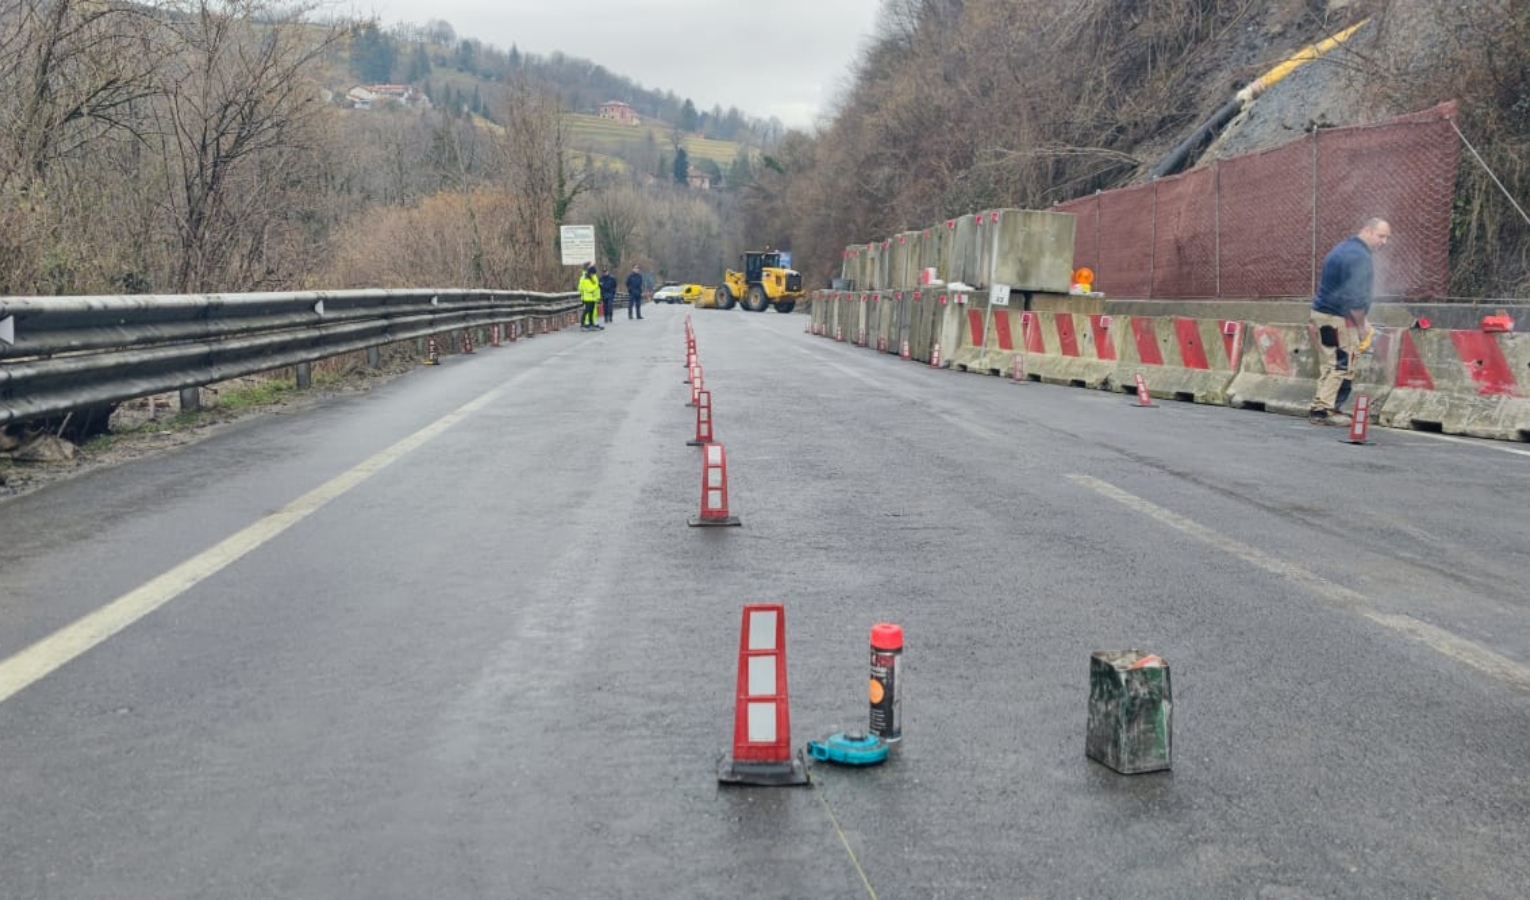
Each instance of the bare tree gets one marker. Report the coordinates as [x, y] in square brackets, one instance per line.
[71, 71]
[534, 165]
[235, 120]
[617, 214]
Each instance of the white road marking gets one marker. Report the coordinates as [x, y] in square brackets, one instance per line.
[41, 659]
[1441, 641]
[1481, 443]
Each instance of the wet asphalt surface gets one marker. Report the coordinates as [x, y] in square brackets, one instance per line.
[503, 666]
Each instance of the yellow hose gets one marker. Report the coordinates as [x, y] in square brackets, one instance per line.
[1305, 55]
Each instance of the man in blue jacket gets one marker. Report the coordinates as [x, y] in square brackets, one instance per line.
[1339, 314]
[635, 293]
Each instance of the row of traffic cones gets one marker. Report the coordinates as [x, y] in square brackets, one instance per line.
[498, 334]
[714, 463]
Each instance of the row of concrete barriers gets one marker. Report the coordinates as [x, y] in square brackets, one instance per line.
[1456, 381]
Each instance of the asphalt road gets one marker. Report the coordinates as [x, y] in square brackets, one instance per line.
[453, 638]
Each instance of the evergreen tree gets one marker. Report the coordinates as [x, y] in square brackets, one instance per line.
[419, 65]
[371, 54]
[688, 116]
[682, 166]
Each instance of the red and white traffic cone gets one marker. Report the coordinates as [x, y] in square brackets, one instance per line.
[546, 328]
[703, 420]
[494, 339]
[714, 489]
[467, 341]
[860, 340]
[881, 343]
[1360, 425]
[1018, 375]
[432, 352]
[1144, 399]
[904, 353]
[762, 723]
[935, 357]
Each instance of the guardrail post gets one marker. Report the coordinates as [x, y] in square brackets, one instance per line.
[191, 399]
[304, 376]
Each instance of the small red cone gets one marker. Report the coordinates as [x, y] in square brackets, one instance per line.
[1360, 425]
[1144, 399]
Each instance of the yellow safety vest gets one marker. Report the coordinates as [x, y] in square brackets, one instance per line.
[589, 289]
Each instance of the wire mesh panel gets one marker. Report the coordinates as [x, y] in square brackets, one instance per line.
[1265, 211]
[1258, 226]
[1184, 249]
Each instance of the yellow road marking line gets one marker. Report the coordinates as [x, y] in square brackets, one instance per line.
[47, 655]
[1441, 641]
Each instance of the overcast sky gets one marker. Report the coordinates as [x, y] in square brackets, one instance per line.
[785, 58]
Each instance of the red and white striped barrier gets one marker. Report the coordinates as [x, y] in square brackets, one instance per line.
[703, 420]
[1360, 423]
[695, 386]
[714, 489]
[762, 733]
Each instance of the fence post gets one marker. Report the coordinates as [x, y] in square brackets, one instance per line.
[304, 376]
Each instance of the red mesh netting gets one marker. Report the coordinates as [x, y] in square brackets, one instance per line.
[1258, 226]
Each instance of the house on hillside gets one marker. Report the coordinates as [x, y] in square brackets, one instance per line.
[698, 179]
[617, 111]
[371, 96]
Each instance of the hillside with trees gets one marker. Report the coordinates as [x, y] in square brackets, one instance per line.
[215, 145]
[960, 105]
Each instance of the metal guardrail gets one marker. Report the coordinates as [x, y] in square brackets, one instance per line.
[64, 353]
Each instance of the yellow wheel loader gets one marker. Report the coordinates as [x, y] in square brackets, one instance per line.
[764, 282]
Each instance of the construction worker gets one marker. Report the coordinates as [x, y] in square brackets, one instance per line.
[1339, 314]
[589, 295]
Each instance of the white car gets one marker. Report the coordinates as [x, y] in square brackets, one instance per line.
[669, 292]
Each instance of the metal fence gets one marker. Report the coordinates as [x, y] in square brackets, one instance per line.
[1258, 226]
[64, 353]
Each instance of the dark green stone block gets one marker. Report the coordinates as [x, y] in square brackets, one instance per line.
[1131, 711]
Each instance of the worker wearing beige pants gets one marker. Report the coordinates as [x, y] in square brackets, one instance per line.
[1338, 351]
[1339, 314]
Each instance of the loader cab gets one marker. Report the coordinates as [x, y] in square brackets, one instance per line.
[757, 261]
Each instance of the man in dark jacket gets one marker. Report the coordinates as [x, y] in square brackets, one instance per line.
[635, 293]
[607, 293]
[1339, 314]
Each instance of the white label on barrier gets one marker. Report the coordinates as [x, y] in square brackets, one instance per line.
[714, 479]
[998, 295]
[762, 629]
[714, 499]
[762, 723]
[714, 455]
[762, 676]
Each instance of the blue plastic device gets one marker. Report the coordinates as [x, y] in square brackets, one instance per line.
[849, 749]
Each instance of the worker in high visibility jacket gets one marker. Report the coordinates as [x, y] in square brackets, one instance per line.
[589, 295]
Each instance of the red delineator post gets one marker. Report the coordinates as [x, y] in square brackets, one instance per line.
[703, 420]
[1360, 426]
[714, 489]
[762, 741]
